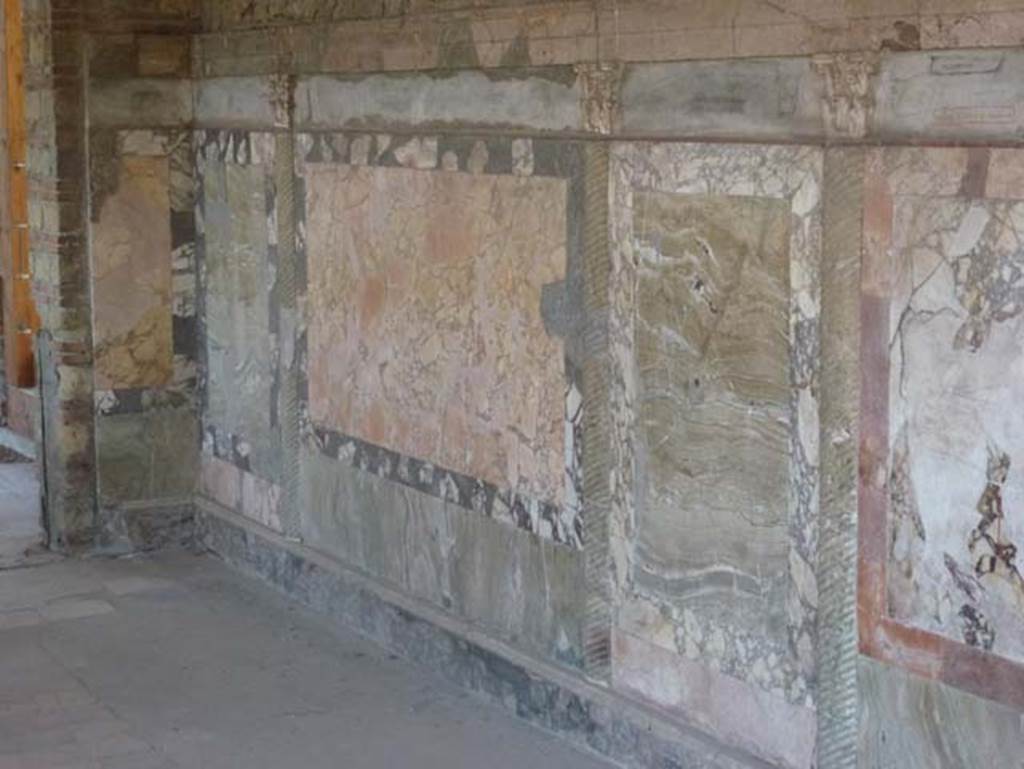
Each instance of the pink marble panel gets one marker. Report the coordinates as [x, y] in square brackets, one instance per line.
[426, 335]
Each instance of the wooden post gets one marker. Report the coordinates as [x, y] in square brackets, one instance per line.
[21, 320]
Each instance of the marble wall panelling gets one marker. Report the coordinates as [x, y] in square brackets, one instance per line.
[237, 213]
[443, 312]
[525, 590]
[940, 549]
[917, 723]
[132, 276]
[148, 455]
[426, 333]
[144, 298]
[760, 98]
[717, 254]
[241, 491]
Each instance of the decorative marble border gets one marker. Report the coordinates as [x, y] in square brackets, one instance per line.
[243, 148]
[108, 145]
[837, 653]
[519, 510]
[485, 155]
[599, 448]
[792, 173]
[883, 637]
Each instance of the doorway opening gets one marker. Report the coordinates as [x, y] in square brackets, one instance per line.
[21, 529]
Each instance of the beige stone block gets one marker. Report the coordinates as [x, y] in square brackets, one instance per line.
[164, 55]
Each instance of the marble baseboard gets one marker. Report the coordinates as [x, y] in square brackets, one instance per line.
[547, 696]
[132, 527]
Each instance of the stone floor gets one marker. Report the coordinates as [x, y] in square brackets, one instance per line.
[173, 660]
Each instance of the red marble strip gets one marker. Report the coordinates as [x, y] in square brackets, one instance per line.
[919, 651]
[956, 664]
[874, 393]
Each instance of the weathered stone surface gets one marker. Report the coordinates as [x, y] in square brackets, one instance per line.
[132, 277]
[147, 456]
[544, 33]
[547, 101]
[759, 98]
[164, 55]
[968, 95]
[915, 723]
[836, 691]
[241, 102]
[426, 334]
[149, 102]
[240, 491]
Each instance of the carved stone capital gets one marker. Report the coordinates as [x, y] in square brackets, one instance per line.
[281, 99]
[849, 100]
[599, 84]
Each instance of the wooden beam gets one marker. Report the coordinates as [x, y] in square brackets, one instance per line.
[22, 320]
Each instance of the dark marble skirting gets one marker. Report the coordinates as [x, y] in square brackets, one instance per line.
[552, 698]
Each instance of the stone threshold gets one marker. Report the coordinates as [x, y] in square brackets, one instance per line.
[553, 698]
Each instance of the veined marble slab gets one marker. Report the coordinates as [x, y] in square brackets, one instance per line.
[715, 295]
[713, 361]
[426, 334]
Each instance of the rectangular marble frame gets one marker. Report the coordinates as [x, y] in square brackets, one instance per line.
[970, 174]
[563, 313]
[260, 454]
[178, 394]
[780, 661]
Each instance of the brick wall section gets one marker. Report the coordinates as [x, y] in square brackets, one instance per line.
[63, 37]
[55, 115]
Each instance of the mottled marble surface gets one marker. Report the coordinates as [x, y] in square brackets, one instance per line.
[523, 589]
[132, 282]
[238, 272]
[909, 722]
[956, 488]
[716, 256]
[712, 359]
[144, 307]
[426, 334]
